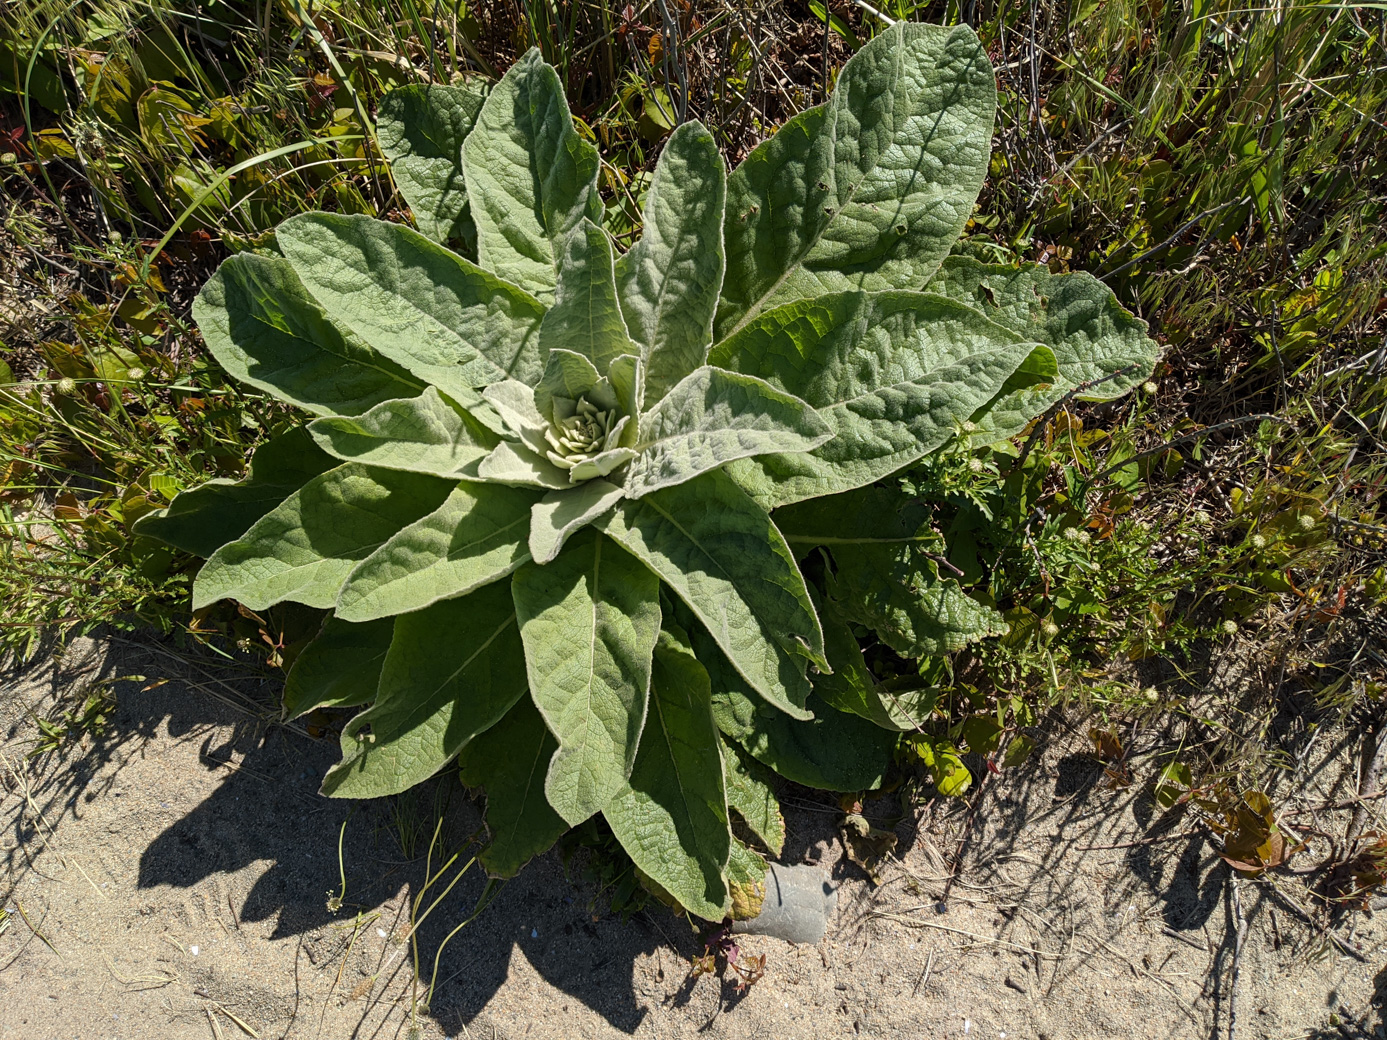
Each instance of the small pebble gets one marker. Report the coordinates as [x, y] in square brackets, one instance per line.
[192, 950]
[534, 933]
[380, 932]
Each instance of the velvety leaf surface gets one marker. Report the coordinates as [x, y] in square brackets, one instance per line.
[567, 373]
[530, 177]
[561, 514]
[833, 750]
[514, 402]
[443, 318]
[260, 323]
[671, 817]
[424, 434]
[668, 282]
[340, 668]
[893, 374]
[203, 519]
[516, 465]
[421, 128]
[749, 792]
[477, 536]
[304, 549]
[511, 762]
[712, 417]
[871, 190]
[720, 553]
[1077, 316]
[589, 621]
[452, 672]
[585, 317]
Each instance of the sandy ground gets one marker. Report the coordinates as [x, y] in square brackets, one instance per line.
[176, 873]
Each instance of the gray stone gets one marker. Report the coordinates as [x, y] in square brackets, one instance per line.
[799, 903]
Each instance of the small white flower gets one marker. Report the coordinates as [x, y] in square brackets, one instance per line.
[968, 426]
[1084, 538]
[1071, 534]
[1258, 542]
[1229, 627]
[67, 386]
[1148, 387]
[975, 465]
[1306, 522]
[1151, 694]
[1049, 630]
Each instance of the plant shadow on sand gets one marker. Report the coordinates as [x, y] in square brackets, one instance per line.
[195, 794]
[246, 806]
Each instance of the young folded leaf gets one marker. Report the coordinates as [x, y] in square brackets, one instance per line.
[668, 283]
[589, 622]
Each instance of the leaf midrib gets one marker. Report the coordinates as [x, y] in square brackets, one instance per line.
[424, 704]
[536, 767]
[754, 310]
[674, 766]
[369, 361]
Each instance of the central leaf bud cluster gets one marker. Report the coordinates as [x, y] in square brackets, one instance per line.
[579, 431]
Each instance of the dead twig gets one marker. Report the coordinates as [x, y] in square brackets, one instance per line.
[1367, 789]
[916, 923]
[1241, 921]
[1137, 844]
[924, 975]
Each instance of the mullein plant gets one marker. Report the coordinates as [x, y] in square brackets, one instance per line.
[554, 498]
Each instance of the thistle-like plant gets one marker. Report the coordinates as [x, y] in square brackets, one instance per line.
[537, 497]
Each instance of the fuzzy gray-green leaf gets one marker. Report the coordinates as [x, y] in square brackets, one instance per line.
[443, 318]
[669, 281]
[340, 668]
[894, 374]
[201, 520]
[304, 549]
[515, 464]
[424, 434]
[421, 128]
[852, 688]
[1094, 339]
[561, 514]
[721, 554]
[589, 621]
[264, 328]
[511, 762]
[477, 536]
[834, 751]
[585, 317]
[713, 417]
[531, 179]
[885, 576]
[671, 817]
[750, 793]
[452, 672]
[871, 190]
